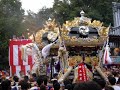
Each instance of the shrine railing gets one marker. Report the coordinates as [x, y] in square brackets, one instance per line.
[115, 31]
[115, 59]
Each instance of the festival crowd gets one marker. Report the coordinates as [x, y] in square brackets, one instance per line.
[43, 82]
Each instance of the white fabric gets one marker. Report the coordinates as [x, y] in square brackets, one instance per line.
[25, 62]
[18, 69]
[46, 50]
[116, 87]
[116, 79]
[107, 56]
[27, 68]
[34, 88]
[15, 54]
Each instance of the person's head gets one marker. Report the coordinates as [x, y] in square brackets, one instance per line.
[45, 80]
[101, 82]
[112, 80]
[24, 85]
[56, 86]
[34, 75]
[21, 73]
[43, 87]
[28, 72]
[55, 75]
[26, 78]
[68, 86]
[115, 74]
[109, 88]
[40, 81]
[87, 86]
[15, 78]
[6, 84]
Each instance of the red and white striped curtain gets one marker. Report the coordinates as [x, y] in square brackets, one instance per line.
[15, 61]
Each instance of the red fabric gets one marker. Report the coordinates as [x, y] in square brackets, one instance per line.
[82, 75]
[106, 57]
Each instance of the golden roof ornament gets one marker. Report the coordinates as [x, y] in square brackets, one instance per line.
[50, 25]
[82, 22]
[50, 28]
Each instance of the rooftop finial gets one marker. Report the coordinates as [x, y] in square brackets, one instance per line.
[49, 19]
[82, 13]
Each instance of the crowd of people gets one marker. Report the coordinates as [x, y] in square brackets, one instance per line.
[34, 82]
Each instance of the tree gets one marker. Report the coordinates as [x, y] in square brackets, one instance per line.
[11, 16]
[95, 9]
[43, 15]
[34, 22]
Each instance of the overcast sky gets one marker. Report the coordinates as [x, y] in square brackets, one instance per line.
[35, 5]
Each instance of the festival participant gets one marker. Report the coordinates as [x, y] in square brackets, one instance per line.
[55, 82]
[20, 75]
[101, 82]
[112, 81]
[43, 87]
[40, 81]
[6, 85]
[108, 88]
[25, 85]
[28, 73]
[118, 82]
[116, 75]
[68, 84]
[87, 86]
[34, 76]
[15, 85]
[35, 87]
[55, 77]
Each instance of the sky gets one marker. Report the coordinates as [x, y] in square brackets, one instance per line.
[36, 5]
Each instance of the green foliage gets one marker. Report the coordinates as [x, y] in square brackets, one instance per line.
[34, 22]
[44, 15]
[11, 15]
[95, 9]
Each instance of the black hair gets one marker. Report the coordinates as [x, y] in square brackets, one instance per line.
[115, 73]
[45, 79]
[56, 86]
[54, 75]
[34, 75]
[6, 85]
[109, 88]
[101, 82]
[24, 85]
[67, 83]
[26, 78]
[40, 80]
[68, 86]
[91, 85]
[15, 78]
[43, 87]
[112, 80]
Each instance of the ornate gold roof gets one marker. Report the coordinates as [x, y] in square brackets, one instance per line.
[51, 26]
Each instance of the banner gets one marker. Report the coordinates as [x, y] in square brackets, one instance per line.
[15, 61]
[106, 57]
[82, 75]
